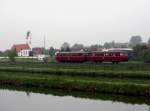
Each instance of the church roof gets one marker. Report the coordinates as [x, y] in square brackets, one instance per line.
[19, 47]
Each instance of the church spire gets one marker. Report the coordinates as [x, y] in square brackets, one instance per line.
[28, 38]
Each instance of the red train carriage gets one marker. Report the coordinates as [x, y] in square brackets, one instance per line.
[71, 56]
[111, 56]
[97, 56]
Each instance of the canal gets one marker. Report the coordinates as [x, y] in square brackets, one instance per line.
[13, 100]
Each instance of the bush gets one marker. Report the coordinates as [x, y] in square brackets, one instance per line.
[11, 55]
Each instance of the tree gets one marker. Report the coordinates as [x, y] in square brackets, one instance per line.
[146, 55]
[106, 45]
[95, 47]
[1, 53]
[46, 51]
[77, 47]
[142, 53]
[135, 40]
[148, 43]
[65, 47]
[6, 52]
[11, 55]
[51, 51]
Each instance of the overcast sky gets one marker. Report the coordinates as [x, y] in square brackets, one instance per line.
[75, 21]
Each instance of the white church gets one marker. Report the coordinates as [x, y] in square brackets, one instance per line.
[23, 50]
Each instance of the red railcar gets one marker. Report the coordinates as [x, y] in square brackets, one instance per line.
[111, 56]
[71, 56]
[97, 56]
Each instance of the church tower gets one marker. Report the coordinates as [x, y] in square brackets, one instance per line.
[28, 39]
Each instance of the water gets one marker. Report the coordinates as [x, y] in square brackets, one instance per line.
[11, 100]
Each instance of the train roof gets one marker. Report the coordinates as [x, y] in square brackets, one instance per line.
[90, 52]
[121, 49]
[72, 52]
[110, 51]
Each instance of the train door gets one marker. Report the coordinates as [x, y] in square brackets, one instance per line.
[99, 56]
[117, 56]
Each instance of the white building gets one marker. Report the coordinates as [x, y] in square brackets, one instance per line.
[23, 50]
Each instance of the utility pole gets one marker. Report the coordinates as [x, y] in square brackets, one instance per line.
[45, 59]
[44, 44]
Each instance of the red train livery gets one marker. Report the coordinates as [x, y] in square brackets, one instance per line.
[97, 56]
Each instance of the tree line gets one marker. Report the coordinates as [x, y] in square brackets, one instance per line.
[141, 50]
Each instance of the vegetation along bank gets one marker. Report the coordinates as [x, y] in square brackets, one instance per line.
[125, 79]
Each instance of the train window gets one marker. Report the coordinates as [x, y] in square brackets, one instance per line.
[106, 54]
[89, 54]
[99, 54]
[76, 54]
[117, 54]
[72, 54]
[79, 54]
[121, 54]
[68, 54]
[113, 54]
[109, 54]
[64, 55]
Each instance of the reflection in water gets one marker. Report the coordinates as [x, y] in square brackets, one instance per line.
[19, 101]
[95, 96]
[54, 100]
[28, 94]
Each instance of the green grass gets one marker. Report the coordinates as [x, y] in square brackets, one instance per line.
[125, 78]
[106, 66]
[81, 72]
[105, 85]
[76, 78]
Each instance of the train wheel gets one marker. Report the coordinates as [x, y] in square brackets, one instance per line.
[100, 62]
[117, 62]
[96, 62]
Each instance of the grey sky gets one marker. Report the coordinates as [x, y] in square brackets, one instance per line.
[75, 21]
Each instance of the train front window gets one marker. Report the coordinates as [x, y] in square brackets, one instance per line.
[123, 54]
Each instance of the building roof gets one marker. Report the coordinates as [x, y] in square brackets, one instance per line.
[38, 50]
[19, 47]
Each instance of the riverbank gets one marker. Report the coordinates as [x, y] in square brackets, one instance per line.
[104, 78]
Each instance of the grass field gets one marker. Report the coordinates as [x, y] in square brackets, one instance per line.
[124, 78]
